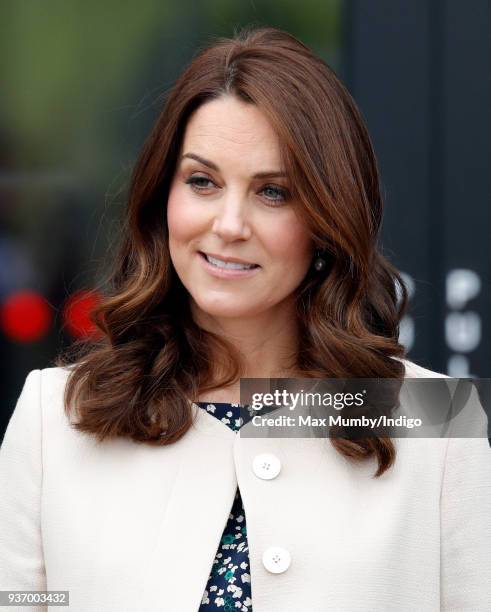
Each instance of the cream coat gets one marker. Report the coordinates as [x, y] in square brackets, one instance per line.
[129, 527]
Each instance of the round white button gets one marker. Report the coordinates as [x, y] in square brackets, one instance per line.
[276, 559]
[266, 466]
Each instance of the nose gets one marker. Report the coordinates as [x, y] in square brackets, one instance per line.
[231, 220]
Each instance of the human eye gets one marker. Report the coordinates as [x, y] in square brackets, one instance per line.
[282, 195]
[194, 182]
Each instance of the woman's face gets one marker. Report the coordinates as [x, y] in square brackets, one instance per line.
[218, 206]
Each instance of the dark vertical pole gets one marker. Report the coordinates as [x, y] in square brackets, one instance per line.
[386, 50]
[436, 187]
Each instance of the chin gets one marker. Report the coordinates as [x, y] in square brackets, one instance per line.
[223, 308]
[224, 312]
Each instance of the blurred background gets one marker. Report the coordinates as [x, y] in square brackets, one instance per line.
[83, 82]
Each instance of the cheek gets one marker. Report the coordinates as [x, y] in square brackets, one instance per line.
[182, 218]
[291, 243]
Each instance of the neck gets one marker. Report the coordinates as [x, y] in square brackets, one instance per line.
[267, 342]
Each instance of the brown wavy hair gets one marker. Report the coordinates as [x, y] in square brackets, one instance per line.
[151, 358]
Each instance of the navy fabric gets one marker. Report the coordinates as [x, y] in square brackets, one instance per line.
[229, 584]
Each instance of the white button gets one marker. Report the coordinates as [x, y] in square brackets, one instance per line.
[266, 466]
[276, 559]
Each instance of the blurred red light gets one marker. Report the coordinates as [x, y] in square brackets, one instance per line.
[25, 316]
[76, 314]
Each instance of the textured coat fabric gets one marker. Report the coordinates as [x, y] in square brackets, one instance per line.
[130, 527]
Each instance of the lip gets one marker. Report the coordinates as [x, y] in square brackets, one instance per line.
[224, 273]
[230, 259]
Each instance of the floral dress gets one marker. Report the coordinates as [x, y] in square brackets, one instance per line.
[229, 584]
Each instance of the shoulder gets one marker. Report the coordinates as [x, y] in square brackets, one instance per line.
[39, 404]
[413, 370]
[53, 380]
[41, 399]
[42, 386]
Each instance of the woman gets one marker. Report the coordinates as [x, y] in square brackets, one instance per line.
[250, 250]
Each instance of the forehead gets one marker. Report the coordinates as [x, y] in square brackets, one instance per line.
[230, 127]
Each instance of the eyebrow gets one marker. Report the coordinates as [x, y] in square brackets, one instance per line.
[213, 166]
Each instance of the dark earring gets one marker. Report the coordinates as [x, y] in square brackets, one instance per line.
[320, 262]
